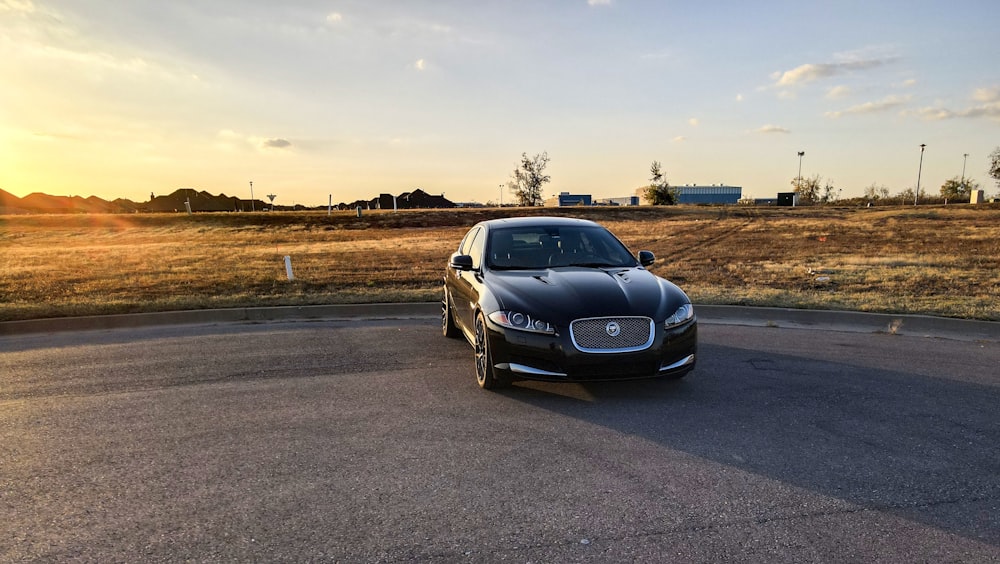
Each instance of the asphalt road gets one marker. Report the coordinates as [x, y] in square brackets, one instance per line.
[369, 441]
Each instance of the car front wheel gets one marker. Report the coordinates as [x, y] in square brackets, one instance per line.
[486, 374]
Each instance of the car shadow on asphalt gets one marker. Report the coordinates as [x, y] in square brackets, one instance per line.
[920, 447]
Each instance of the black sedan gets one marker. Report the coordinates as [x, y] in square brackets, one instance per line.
[562, 299]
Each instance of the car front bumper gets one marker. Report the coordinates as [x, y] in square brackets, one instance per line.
[533, 356]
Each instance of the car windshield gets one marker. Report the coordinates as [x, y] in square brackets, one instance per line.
[534, 247]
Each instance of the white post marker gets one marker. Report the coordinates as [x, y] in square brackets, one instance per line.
[288, 267]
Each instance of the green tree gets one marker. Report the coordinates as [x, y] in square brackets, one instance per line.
[954, 189]
[527, 179]
[994, 170]
[660, 192]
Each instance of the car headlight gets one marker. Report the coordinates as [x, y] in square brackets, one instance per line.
[521, 321]
[680, 317]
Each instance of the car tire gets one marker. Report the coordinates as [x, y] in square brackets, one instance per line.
[448, 328]
[488, 377]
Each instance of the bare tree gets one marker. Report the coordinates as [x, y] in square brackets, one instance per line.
[830, 193]
[527, 179]
[876, 192]
[807, 189]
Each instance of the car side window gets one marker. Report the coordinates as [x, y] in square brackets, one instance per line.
[476, 249]
[466, 244]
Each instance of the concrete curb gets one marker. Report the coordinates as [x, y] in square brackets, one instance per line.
[843, 321]
[852, 322]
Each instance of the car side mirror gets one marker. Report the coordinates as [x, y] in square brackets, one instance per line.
[646, 258]
[460, 262]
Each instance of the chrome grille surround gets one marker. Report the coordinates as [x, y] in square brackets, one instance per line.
[612, 334]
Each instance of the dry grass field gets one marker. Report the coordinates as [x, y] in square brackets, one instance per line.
[930, 260]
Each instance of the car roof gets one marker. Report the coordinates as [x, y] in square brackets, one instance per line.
[538, 221]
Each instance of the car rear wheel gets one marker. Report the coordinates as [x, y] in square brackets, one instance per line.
[486, 374]
[448, 328]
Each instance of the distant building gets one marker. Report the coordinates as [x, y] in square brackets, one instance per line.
[565, 199]
[709, 194]
[623, 201]
[788, 199]
[720, 194]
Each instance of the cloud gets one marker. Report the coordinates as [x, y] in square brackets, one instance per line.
[230, 140]
[693, 122]
[598, 2]
[809, 72]
[772, 129]
[276, 144]
[22, 6]
[885, 104]
[838, 92]
[334, 17]
[420, 64]
[933, 114]
[987, 95]
[989, 107]
[679, 139]
[989, 111]
[739, 97]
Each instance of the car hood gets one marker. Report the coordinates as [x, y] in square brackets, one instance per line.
[559, 295]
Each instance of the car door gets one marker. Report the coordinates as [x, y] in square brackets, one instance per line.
[465, 288]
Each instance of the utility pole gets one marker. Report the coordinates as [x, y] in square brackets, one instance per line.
[252, 208]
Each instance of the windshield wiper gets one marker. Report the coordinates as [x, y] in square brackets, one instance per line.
[515, 267]
[595, 264]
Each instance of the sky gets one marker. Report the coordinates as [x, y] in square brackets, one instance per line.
[349, 99]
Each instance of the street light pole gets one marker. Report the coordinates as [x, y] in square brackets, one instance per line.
[919, 170]
[798, 182]
[501, 195]
[964, 161]
[252, 208]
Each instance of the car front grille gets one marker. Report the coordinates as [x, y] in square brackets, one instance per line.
[612, 334]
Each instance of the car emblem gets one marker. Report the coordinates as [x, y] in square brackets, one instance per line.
[612, 329]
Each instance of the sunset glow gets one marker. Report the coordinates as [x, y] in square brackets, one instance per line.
[352, 99]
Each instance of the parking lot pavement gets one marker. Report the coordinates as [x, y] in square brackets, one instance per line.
[361, 440]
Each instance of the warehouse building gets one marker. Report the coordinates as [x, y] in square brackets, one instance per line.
[709, 194]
